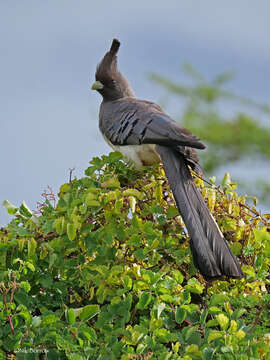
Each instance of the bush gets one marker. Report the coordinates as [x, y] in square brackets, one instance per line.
[107, 274]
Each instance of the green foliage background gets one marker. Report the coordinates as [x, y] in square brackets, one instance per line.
[106, 273]
[229, 139]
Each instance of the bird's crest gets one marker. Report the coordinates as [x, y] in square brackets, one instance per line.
[107, 68]
[115, 46]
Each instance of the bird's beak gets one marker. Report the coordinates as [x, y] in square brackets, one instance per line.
[97, 85]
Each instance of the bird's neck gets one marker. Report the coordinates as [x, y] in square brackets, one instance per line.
[126, 92]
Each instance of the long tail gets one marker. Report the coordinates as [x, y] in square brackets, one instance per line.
[211, 253]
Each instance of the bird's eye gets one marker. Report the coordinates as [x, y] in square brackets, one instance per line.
[112, 83]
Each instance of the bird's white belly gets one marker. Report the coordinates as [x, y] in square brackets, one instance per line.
[139, 155]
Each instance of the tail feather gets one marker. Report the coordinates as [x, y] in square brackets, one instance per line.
[211, 253]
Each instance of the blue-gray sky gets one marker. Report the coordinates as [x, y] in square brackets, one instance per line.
[48, 54]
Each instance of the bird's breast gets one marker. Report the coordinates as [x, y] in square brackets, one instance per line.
[139, 155]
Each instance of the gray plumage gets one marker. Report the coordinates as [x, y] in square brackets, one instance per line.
[145, 134]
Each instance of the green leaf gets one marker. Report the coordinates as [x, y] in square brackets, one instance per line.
[140, 254]
[74, 356]
[194, 286]
[195, 338]
[132, 204]
[226, 181]
[93, 203]
[25, 211]
[70, 316]
[127, 282]
[212, 323]
[180, 315]
[90, 334]
[22, 297]
[240, 334]
[59, 225]
[49, 319]
[226, 349]
[214, 309]
[192, 349]
[218, 299]
[208, 353]
[115, 156]
[112, 182]
[163, 335]
[203, 317]
[159, 308]
[30, 265]
[91, 199]
[27, 316]
[189, 331]
[211, 199]
[65, 188]
[32, 245]
[261, 235]
[11, 209]
[154, 244]
[249, 270]
[178, 276]
[71, 231]
[52, 259]
[88, 312]
[186, 297]
[213, 335]
[134, 192]
[190, 308]
[25, 285]
[144, 301]
[236, 248]
[238, 313]
[172, 211]
[46, 281]
[233, 327]
[223, 321]
[36, 320]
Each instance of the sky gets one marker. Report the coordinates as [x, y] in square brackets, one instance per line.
[48, 55]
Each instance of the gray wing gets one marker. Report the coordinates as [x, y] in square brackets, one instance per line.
[138, 122]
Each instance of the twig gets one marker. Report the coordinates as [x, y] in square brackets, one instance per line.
[10, 324]
[44, 237]
[14, 288]
[259, 311]
[9, 318]
[47, 195]
[70, 174]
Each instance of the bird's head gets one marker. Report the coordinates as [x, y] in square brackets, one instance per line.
[110, 83]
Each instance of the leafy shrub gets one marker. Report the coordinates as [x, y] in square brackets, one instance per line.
[107, 274]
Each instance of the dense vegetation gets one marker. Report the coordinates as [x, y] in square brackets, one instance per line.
[105, 272]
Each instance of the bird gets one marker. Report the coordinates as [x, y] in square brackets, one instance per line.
[146, 135]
